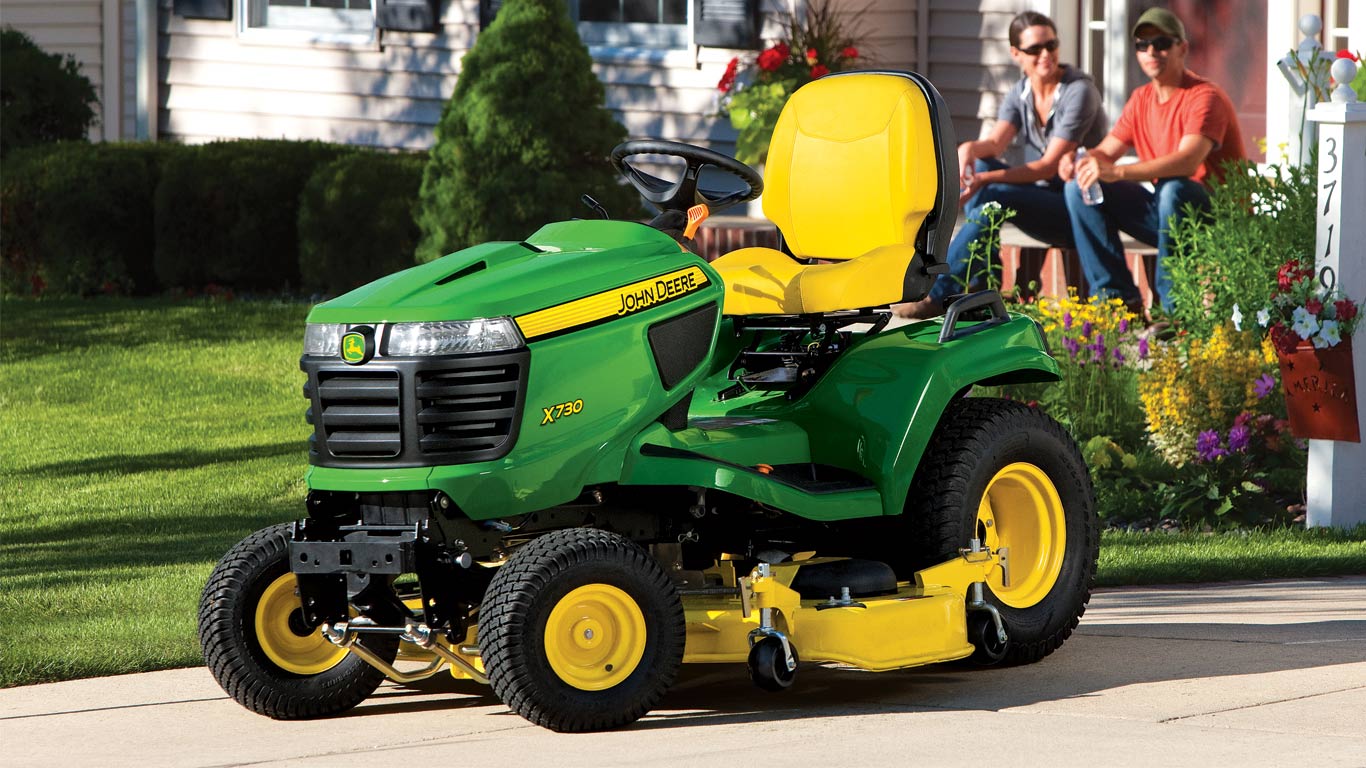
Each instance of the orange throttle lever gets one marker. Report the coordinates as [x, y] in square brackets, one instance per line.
[696, 215]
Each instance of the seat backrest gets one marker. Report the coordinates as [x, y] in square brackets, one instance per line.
[861, 160]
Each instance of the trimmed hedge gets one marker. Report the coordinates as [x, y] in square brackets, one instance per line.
[77, 218]
[227, 212]
[356, 220]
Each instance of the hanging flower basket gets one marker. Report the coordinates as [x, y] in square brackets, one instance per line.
[1320, 392]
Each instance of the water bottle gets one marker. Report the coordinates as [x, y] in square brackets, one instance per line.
[1092, 195]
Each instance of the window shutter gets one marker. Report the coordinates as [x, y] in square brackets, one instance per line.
[408, 15]
[727, 23]
[487, 10]
[216, 10]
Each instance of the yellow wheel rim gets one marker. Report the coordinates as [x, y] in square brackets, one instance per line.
[1021, 510]
[595, 637]
[283, 637]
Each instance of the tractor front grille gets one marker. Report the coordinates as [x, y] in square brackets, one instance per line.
[414, 412]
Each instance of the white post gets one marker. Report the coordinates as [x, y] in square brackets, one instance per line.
[1337, 470]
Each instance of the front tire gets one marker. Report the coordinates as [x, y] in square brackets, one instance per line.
[1012, 477]
[581, 630]
[258, 648]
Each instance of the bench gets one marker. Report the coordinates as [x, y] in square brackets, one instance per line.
[1024, 260]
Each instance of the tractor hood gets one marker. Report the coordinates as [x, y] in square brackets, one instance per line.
[559, 263]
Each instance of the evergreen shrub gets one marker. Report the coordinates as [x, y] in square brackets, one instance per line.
[356, 220]
[43, 96]
[522, 138]
[227, 213]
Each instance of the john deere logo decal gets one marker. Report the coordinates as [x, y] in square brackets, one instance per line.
[356, 346]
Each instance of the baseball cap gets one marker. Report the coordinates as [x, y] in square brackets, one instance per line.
[1164, 20]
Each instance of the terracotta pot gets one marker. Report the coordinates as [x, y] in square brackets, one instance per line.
[1320, 392]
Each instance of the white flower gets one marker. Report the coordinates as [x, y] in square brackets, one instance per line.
[992, 206]
[1264, 317]
[1305, 324]
[1329, 335]
[1237, 318]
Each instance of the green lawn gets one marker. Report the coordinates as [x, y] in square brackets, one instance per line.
[139, 439]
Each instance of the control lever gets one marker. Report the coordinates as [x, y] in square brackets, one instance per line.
[595, 205]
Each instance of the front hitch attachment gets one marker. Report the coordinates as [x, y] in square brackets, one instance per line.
[346, 633]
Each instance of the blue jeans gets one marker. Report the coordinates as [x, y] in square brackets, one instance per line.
[1145, 215]
[1040, 212]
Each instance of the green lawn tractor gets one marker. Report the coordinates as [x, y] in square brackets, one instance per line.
[565, 466]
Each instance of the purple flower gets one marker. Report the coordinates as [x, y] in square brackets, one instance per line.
[1067, 321]
[1238, 438]
[1264, 385]
[1071, 345]
[1207, 446]
[1142, 349]
[1124, 325]
[1086, 328]
[1119, 356]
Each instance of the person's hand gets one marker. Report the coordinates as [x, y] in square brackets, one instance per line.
[967, 160]
[1067, 166]
[1088, 171]
[969, 188]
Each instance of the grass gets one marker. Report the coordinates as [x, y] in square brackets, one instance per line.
[1129, 558]
[142, 438]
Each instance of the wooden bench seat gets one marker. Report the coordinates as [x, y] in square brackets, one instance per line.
[1024, 260]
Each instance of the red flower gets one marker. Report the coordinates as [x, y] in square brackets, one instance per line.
[1284, 339]
[1346, 310]
[1314, 306]
[1346, 54]
[1290, 273]
[819, 71]
[812, 56]
[728, 79]
[770, 60]
[849, 53]
[783, 50]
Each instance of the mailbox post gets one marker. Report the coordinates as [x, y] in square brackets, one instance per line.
[1337, 469]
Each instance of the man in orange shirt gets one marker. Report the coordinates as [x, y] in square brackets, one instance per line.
[1183, 128]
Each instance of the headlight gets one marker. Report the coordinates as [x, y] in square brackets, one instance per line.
[323, 338]
[455, 338]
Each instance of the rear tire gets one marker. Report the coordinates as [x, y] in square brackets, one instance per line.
[259, 650]
[1011, 476]
[581, 630]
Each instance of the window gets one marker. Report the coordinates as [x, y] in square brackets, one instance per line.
[340, 21]
[656, 23]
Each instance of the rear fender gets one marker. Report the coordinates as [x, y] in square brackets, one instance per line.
[876, 410]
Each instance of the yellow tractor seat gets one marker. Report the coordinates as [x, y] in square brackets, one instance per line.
[859, 181]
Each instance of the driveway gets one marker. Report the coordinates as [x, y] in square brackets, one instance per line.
[1255, 674]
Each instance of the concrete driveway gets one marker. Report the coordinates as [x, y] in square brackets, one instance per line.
[1265, 674]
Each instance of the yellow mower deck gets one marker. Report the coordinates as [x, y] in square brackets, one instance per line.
[924, 622]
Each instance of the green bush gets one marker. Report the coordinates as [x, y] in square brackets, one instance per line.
[523, 136]
[1230, 255]
[78, 218]
[356, 220]
[43, 96]
[227, 213]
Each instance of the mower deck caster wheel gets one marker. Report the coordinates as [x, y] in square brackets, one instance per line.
[768, 666]
[988, 647]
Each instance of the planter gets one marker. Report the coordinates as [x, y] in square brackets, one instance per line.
[1320, 392]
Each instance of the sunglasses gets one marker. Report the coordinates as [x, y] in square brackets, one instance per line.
[1159, 43]
[1035, 50]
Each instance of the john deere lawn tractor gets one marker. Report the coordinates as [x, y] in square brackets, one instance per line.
[567, 465]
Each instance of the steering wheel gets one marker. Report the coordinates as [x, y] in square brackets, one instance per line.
[684, 193]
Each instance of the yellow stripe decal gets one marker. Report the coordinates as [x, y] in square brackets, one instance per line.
[618, 302]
